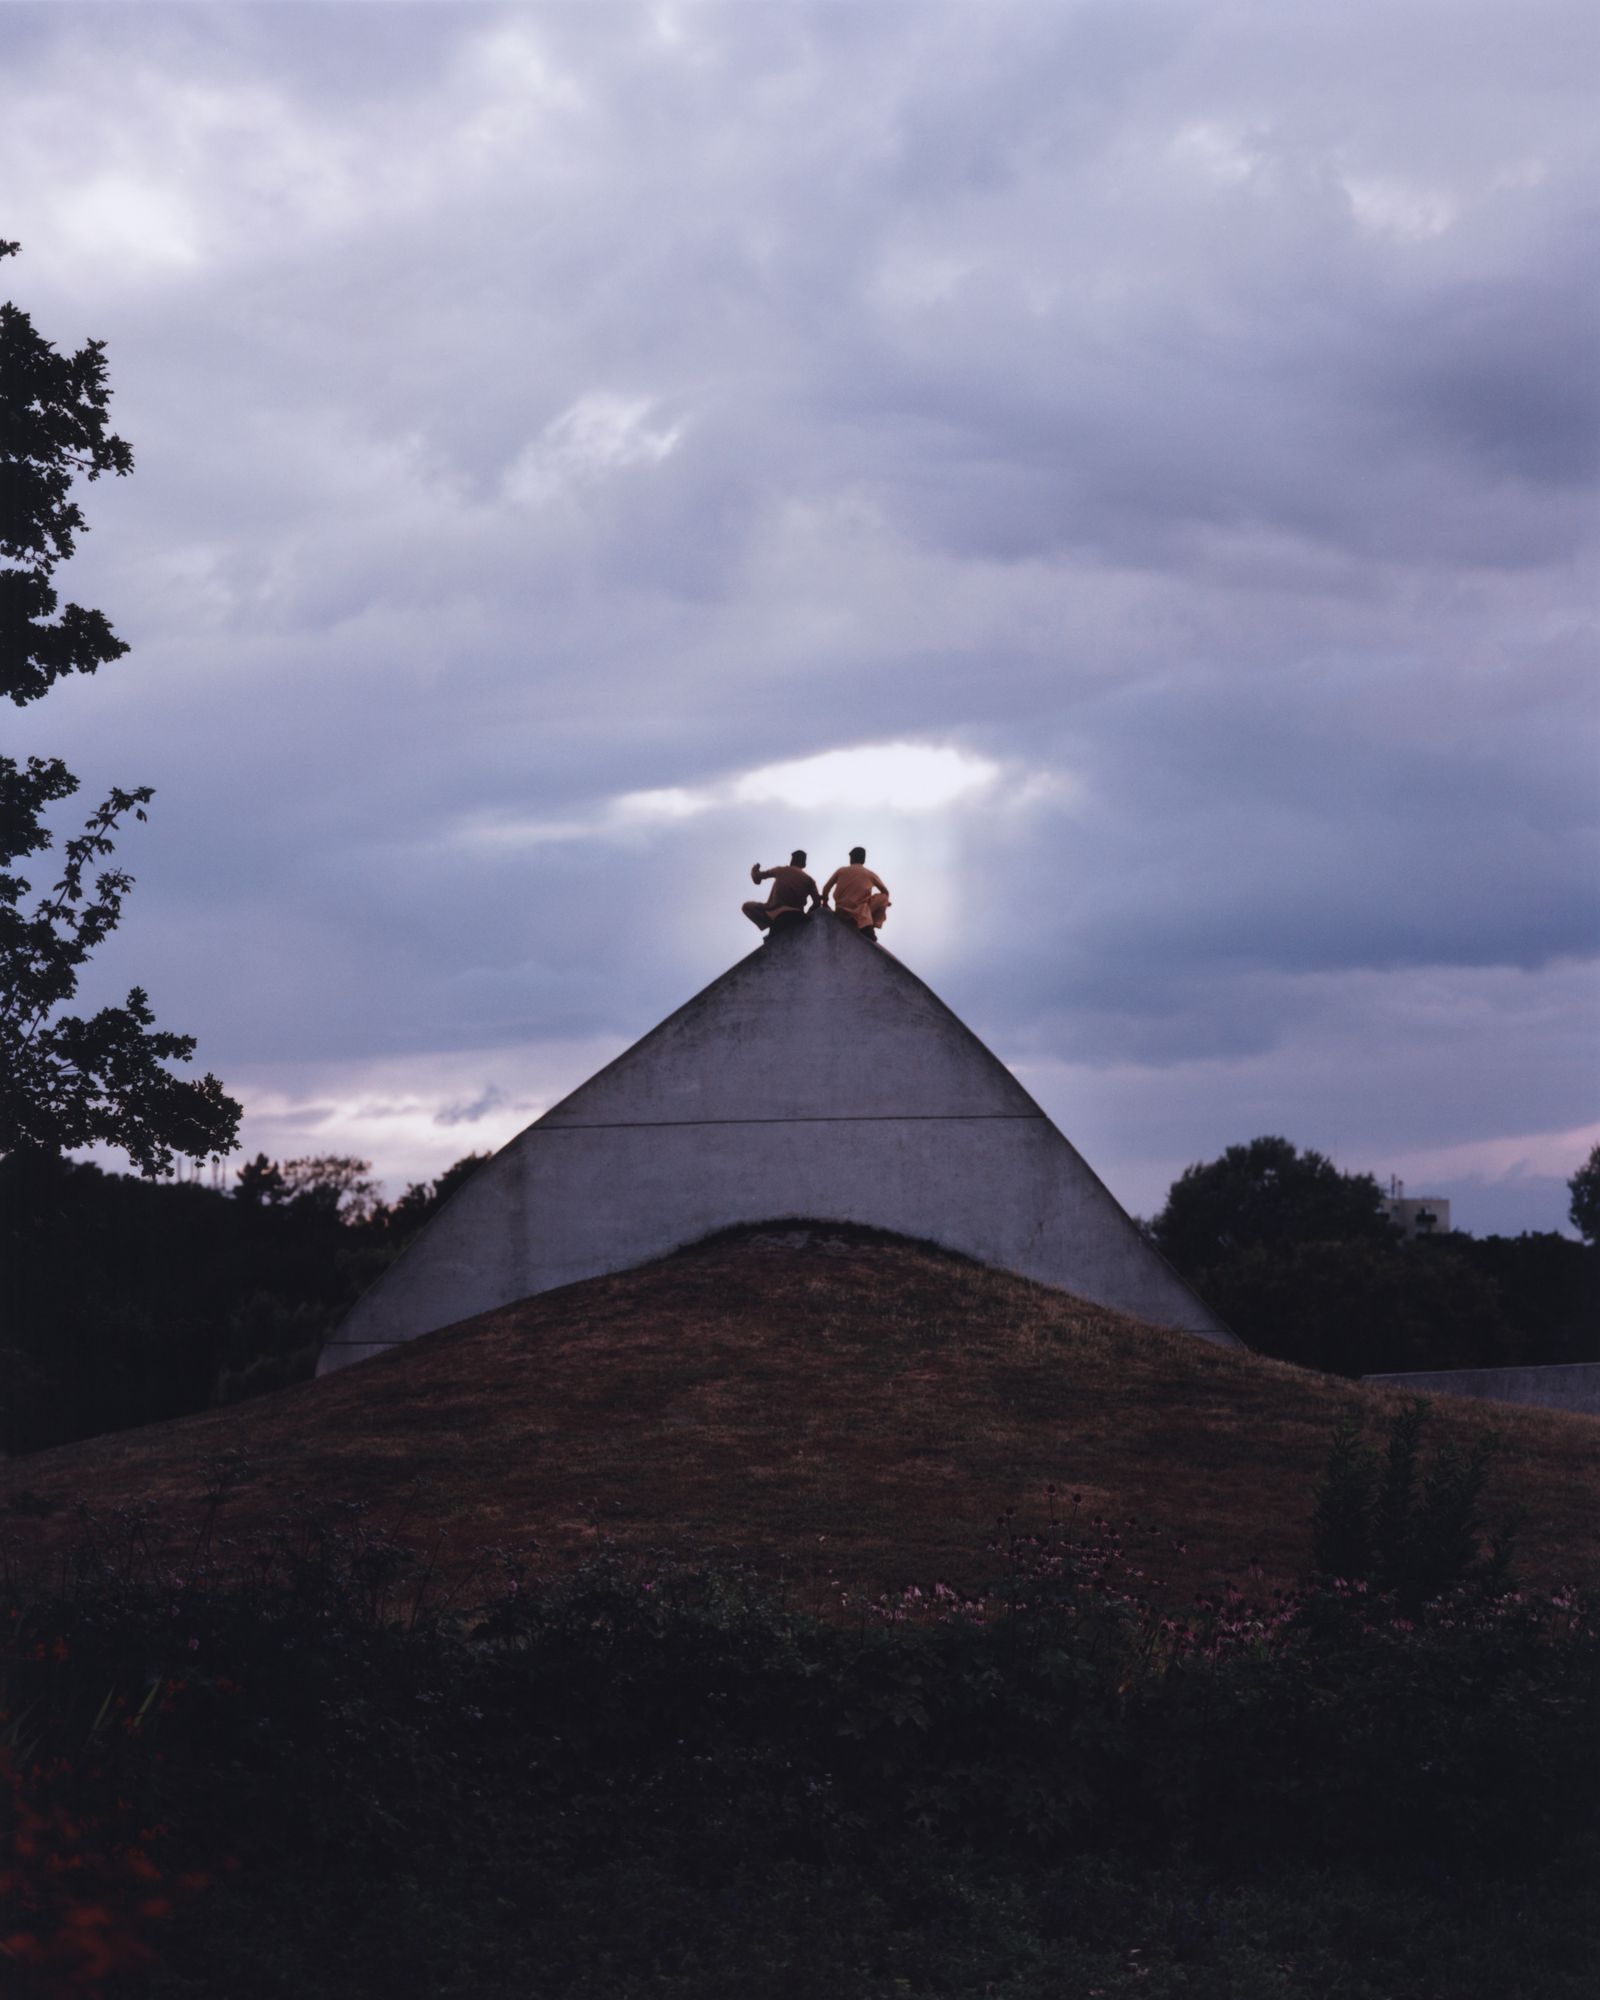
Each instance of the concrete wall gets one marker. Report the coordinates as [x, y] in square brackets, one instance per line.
[817, 1078]
[1566, 1385]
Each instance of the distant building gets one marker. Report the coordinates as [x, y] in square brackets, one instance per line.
[1416, 1214]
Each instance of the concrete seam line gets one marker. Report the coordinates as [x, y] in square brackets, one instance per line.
[831, 1118]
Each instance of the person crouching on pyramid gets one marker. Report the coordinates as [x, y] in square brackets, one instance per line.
[791, 892]
[858, 894]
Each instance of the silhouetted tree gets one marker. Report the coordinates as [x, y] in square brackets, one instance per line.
[1364, 1307]
[260, 1182]
[1548, 1285]
[1301, 1260]
[1584, 1188]
[67, 1081]
[127, 1300]
[53, 426]
[1265, 1193]
[335, 1183]
[422, 1200]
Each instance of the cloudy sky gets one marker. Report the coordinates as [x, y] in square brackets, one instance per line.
[1129, 464]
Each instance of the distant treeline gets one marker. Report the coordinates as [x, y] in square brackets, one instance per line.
[1304, 1263]
[126, 1300]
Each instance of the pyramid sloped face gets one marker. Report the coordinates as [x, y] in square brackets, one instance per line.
[818, 1078]
[816, 1023]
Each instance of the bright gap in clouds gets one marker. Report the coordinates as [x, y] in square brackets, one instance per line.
[910, 778]
[882, 777]
[897, 777]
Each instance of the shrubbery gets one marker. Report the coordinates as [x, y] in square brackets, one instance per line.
[304, 1767]
[1301, 1260]
[129, 1300]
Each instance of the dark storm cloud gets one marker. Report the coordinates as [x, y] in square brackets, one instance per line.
[1183, 412]
[1506, 375]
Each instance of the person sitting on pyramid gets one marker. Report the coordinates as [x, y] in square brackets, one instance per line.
[792, 892]
[858, 894]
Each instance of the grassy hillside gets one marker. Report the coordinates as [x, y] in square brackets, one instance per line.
[633, 1778]
[756, 1393]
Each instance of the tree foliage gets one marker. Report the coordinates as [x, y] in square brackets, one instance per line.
[1301, 1261]
[128, 1301]
[423, 1200]
[54, 427]
[1265, 1193]
[67, 1081]
[1548, 1285]
[1363, 1308]
[1584, 1188]
[333, 1182]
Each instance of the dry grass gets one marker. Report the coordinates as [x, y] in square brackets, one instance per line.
[753, 1397]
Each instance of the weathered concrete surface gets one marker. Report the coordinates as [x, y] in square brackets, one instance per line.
[1563, 1385]
[818, 1078]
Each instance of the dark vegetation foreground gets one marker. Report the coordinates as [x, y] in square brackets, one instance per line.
[810, 1619]
[293, 1768]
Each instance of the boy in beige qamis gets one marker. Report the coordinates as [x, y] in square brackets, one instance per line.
[791, 893]
[858, 894]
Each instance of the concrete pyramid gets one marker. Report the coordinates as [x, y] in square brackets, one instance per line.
[817, 1079]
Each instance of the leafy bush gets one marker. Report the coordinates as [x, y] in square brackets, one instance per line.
[1408, 1528]
[670, 1777]
[1359, 1308]
[130, 1300]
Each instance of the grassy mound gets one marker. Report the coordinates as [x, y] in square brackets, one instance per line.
[868, 1407]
